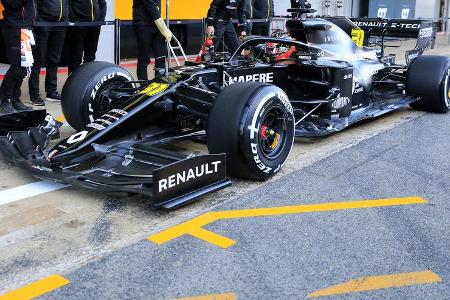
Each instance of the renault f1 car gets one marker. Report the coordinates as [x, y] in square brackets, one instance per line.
[247, 110]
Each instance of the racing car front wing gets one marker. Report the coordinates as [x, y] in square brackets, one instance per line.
[172, 179]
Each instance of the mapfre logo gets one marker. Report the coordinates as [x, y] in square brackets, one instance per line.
[262, 77]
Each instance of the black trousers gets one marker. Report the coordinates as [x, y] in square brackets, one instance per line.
[49, 46]
[249, 28]
[149, 39]
[83, 43]
[12, 82]
[261, 29]
[224, 30]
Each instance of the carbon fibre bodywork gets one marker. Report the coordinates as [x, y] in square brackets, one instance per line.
[133, 144]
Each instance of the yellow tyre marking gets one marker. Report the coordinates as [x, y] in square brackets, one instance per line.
[194, 227]
[379, 282]
[37, 288]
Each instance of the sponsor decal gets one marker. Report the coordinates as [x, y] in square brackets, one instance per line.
[405, 13]
[348, 76]
[188, 69]
[393, 25]
[405, 25]
[357, 88]
[154, 88]
[382, 12]
[41, 168]
[340, 102]
[411, 55]
[119, 111]
[371, 24]
[332, 38]
[96, 126]
[426, 32]
[262, 77]
[358, 36]
[128, 159]
[187, 176]
[77, 137]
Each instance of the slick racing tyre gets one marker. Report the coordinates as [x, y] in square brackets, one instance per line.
[253, 124]
[83, 98]
[429, 78]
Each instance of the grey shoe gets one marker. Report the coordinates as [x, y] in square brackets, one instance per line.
[7, 107]
[38, 101]
[18, 105]
[54, 97]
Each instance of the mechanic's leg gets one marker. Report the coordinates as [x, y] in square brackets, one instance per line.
[256, 29]
[249, 28]
[160, 51]
[143, 36]
[231, 38]
[266, 31]
[76, 42]
[91, 43]
[219, 31]
[55, 47]
[39, 52]
[16, 73]
[261, 29]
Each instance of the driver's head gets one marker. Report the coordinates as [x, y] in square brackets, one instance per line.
[259, 50]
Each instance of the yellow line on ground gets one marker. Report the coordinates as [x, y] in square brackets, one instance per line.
[37, 288]
[211, 237]
[379, 282]
[228, 296]
[61, 119]
[194, 226]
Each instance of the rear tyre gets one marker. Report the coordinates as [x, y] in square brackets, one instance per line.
[82, 96]
[429, 78]
[253, 124]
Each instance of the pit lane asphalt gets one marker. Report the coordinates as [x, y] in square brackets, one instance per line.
[287, 257]
[61, 231]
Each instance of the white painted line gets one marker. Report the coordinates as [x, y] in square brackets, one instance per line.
[29, 190]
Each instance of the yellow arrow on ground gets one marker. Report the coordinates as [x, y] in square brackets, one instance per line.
[61, 119]
[228, 296]
[194, 227]
[379, 282]
[37, 288]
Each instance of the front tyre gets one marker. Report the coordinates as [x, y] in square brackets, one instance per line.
[429, 78]
[84, 96]
[253, 123]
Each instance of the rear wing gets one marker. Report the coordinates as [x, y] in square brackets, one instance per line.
[372, 29]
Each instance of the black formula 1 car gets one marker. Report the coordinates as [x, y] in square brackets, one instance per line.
[130, 134]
